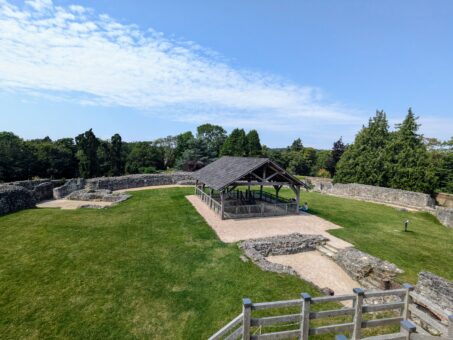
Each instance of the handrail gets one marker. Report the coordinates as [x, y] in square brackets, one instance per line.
[302, 319]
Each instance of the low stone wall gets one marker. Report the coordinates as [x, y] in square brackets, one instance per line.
[369, 271]
[258, 249]
[383, 195]
[445, 216]
[137, 181]
[319, 183]
[68, 187]
[444, 200]
[14, 198]
[102, 195]
[40, 188]
[437, 290]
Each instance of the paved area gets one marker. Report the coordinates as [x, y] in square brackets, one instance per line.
[319, 269]
[70, 204]
[244, 229]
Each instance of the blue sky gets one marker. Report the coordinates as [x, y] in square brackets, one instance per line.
[145, 69]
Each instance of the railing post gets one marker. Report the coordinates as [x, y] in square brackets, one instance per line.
[450, 326]
[359, 293]
[305, 316]
[407, 327]
[407, 301]
[247, 317]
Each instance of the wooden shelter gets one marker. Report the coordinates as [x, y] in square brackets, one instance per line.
[226, 185]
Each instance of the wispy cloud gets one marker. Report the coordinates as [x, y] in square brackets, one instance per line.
[74, 53]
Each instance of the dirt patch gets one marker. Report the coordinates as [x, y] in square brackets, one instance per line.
[230, 231]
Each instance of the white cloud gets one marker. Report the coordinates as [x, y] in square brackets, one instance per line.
[72, 52]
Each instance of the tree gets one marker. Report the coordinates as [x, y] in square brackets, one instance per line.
[87, 147]
[144, 157]
[196, 156]
[70, 169]
[168, 147]
[253, 144]
[408, 162]
[297, 145]
[337, 151]
[103, 158]
[116, 155]
[50, 159]
[364, 161]
[15, 158]
[214, 136]
[183, 142]
[235, 144]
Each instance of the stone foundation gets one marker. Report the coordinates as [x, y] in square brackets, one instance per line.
[68, 187]
[445, 216]
[371, 272]
[257, 250]
[97, 195]
[137, 181]
[14, 198]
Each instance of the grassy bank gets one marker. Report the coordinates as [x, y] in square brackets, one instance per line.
[378, 230]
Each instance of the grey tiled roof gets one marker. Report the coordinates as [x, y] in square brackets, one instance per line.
[227, 170]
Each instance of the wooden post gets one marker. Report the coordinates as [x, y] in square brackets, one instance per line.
[222, 205]
[305, 316]
[407, 301]
[196, 186]
[297, 198]
[450, 326]
[261, 192]
[407, 327]
[247, 317]
[356, 333]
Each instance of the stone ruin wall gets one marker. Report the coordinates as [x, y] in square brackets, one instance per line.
[377, 194]
[20, 195]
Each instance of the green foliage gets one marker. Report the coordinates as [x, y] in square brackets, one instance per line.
[214, 136]
[297, 145]
[116, 155]
[15, 158]
[168, 146]
[323, 173]
[364, 161]
[253, 144]
[408, 165]
[87, 154]
[144, 157]
[183, 143]
[196, 155]
[236, 144]
[337, 151]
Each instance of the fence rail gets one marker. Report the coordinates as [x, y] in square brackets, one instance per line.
[402, 309]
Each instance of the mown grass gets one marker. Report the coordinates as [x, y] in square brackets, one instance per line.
[152, 268]
[378, 230]
[148, 268]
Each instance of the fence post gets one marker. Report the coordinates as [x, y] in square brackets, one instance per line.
[450, 326]
[305, 316]
[246, 319]
[407, 327]
[359, 293]
[407, 301]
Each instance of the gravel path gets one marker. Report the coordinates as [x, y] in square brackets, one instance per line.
[244, 229]
[319, 269]
[70, 204]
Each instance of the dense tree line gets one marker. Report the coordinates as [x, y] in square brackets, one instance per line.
[398, 159]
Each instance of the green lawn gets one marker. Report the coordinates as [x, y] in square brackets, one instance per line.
[378, 229]
[148, 268]
[152, 268]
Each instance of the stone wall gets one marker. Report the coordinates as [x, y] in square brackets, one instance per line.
[70, 186]
[445, 216]
[136, 181]
[369, 271]
[102, 195]
[384, 195]
[258, 249]
[14, 198]
[319, 184]
[436, 289]
[444, 200]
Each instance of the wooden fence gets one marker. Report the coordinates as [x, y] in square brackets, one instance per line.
[246, 326]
